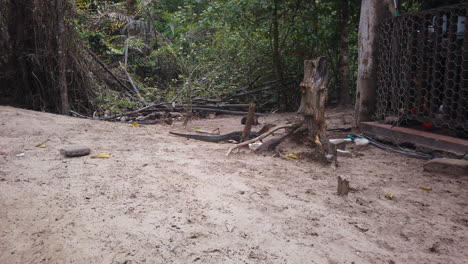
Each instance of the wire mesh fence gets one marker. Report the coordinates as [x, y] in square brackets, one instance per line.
[423, 70]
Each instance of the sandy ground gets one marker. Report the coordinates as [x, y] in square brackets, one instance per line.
[165, 199]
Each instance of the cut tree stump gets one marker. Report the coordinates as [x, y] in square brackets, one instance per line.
[343, 186]
[314, 90]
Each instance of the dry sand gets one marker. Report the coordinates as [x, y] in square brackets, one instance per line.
[165, 199]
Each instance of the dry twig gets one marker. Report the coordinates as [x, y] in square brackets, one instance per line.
[262, 136]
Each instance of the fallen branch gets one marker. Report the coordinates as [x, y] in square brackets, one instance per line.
[79, 115]
[217, 106]
[274, 142]
[262, 136]
[221, 111]
[131, 112]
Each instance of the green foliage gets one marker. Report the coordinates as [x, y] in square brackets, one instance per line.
[211, 49]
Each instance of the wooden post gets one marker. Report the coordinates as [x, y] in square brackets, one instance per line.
[248, 123]
[314, 97]
[343, 186]
[372, 13]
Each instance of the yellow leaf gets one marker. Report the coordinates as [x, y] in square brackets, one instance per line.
[135, 124]
[292, 156]
[389, 196]
[41, 145]
[197, 128]
[426, 188]
[102, 155]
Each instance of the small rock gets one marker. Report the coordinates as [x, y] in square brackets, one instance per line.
[449, 166]
[75, 151]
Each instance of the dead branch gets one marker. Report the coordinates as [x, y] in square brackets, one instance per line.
[79, 115]
[131, 112]
[262, 136]
[221, 111]
[274, 142]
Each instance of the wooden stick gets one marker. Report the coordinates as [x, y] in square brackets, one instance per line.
[79, 115]
[248, 123]
[333, 150]
[262, 136]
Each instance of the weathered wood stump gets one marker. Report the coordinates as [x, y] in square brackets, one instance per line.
[314, 97]
[343, 186]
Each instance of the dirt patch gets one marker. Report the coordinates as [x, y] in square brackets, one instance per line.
[165, 199]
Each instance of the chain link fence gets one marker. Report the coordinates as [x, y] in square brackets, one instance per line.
[423, 70]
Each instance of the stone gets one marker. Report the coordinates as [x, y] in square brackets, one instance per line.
[75, 151]
[449, 166]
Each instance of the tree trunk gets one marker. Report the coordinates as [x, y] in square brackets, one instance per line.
[343, 64]
[314, 97]
[372, 13]
[62, 78]
[276, 52]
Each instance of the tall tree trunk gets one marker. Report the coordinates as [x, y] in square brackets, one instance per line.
[372, 13]
[18, 31]
[343, 64]
[62, 79]
[276, 51]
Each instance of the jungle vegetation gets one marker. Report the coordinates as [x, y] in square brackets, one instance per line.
[118, 55]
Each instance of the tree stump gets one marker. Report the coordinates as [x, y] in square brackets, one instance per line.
[343, 186]
[314, 97]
